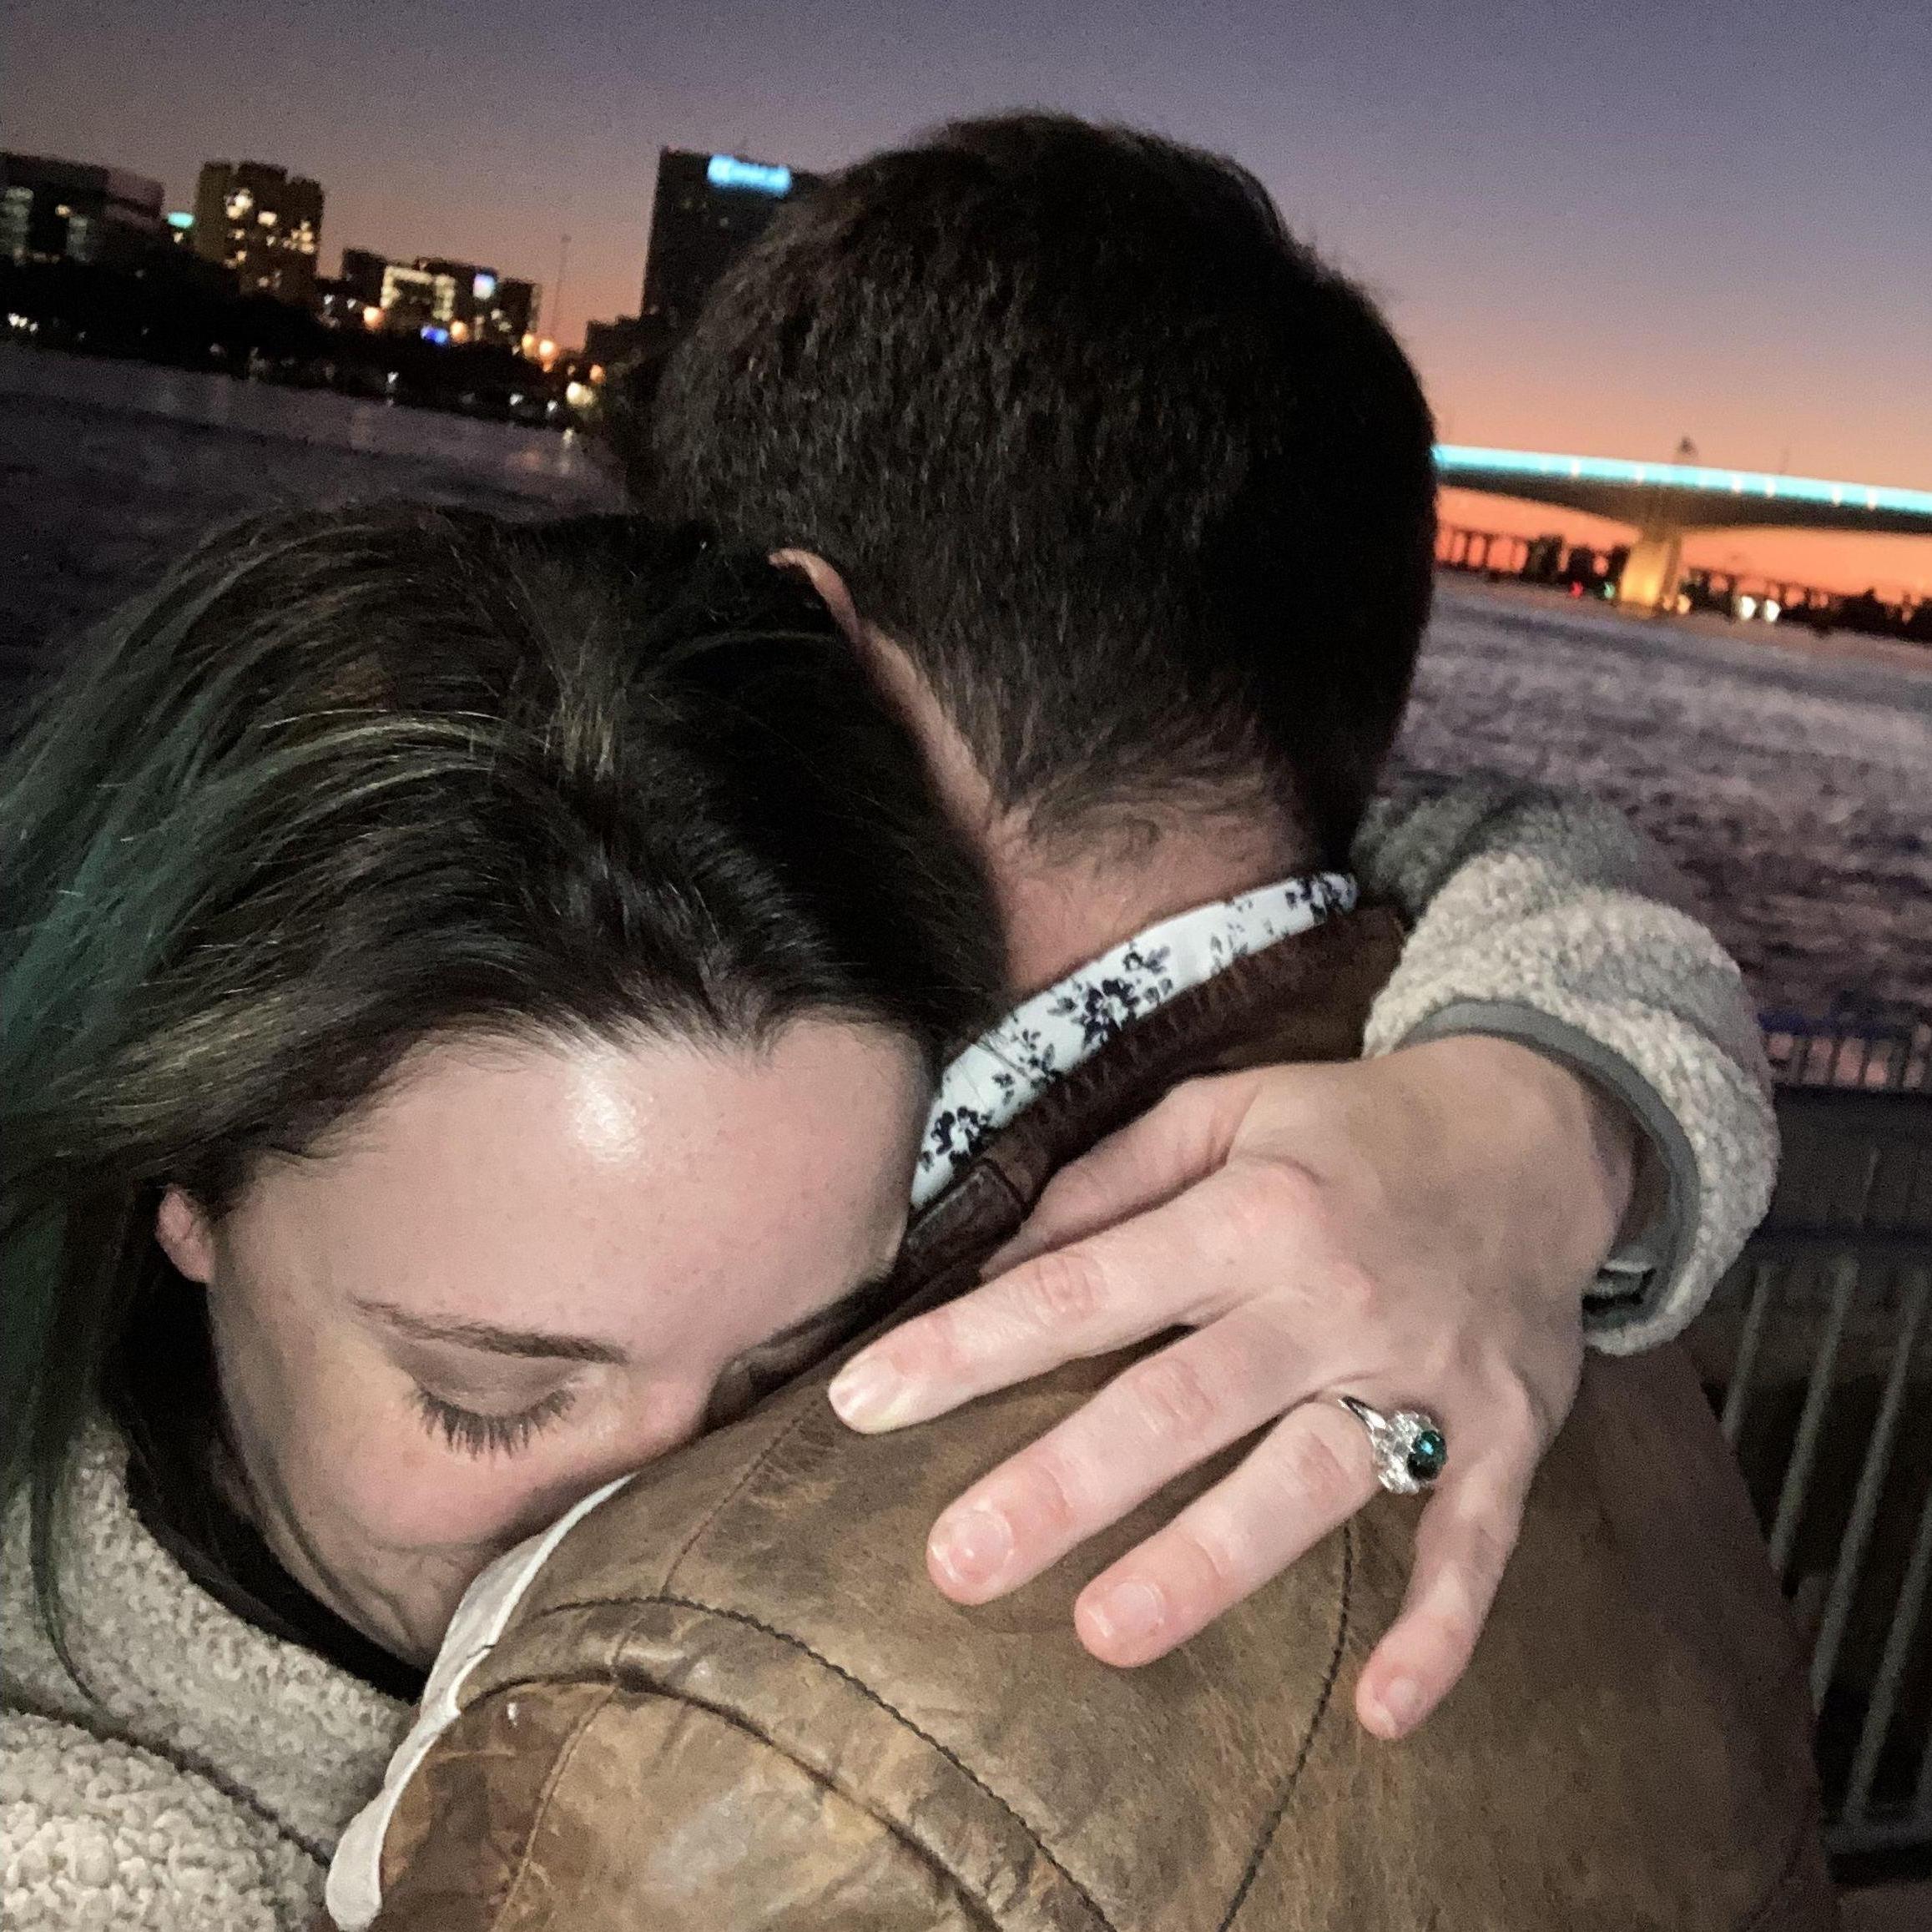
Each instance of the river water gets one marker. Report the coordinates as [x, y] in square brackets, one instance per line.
[1792, 781]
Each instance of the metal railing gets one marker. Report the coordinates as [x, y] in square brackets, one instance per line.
[1817, 1349]
[1858, 1043]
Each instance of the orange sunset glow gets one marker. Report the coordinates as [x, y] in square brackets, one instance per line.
[1895, 566]
[1597, 233]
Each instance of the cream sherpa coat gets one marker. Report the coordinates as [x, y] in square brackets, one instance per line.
[208, 1784]
[208, 1787]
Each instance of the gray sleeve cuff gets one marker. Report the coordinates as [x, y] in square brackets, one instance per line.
[1638, 1282]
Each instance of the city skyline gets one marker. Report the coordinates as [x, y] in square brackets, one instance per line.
[1594, 235]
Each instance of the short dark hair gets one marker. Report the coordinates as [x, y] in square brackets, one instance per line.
[1142, 486]
[345, 783]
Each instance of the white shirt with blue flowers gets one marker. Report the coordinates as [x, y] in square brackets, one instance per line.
[1043, 1039]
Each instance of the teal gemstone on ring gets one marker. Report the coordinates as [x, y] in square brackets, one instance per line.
[1427, 1454]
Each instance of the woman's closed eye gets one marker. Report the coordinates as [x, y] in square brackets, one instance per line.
[475, 1433]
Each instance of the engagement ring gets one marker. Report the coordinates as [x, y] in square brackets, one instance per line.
[1410, 1447]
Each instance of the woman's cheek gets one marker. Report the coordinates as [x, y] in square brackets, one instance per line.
[395, 1487]
[410, 1493]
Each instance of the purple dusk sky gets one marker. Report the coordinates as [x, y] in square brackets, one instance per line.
[1598, 229]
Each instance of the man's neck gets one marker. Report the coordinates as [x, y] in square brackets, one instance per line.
[1064, 900]
[1061, 907]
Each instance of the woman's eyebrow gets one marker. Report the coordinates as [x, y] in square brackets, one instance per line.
[536, 1343]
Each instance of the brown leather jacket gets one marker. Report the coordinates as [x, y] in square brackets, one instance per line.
[731, 1697]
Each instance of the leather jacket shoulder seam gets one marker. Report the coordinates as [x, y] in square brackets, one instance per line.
[565, 1752]
[892, 1710]
[744, 1476]
[974, 1906]
[1803, 1841]
[1323, 1702]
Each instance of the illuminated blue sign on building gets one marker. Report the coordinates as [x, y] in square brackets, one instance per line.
[728, 171]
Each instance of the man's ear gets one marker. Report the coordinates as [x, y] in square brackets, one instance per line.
[892, 671]
[962, 788]
[831, 587]
[187, 1238]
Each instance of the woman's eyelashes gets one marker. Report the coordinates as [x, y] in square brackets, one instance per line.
[475, 1433]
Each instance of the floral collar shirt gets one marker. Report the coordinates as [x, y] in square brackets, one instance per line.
[1001, 1074]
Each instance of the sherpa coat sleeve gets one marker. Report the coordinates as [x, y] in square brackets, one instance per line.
[1545, 917]
[97, 1832]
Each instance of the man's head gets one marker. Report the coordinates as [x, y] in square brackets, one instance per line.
[1141, 487]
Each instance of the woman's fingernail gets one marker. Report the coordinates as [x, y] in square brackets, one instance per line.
[1401, 1703]
[973, 1547]
[1128, 1614]
[864, 1392]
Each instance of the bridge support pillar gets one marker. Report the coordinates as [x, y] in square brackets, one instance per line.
[1652, 571]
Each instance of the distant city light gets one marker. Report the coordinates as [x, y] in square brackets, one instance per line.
[547, 351]
[433, 333]
[373, 318]
[484, 287]
[180, 218]
[1773, 610]
[1747, 608]
[728, 171]
[577, 394]
[1455, 459]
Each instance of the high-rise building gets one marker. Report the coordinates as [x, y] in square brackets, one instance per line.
[489, 307]
[507, 313]
[362, 274]
[608, 345]
[262, 222]
[448, 301]
[53, 210]
[709, 207]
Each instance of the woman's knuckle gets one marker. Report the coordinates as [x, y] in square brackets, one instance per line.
[1350, 1291]
[1457, 1627]
[1482, 1545]
[1216, 1557]
[1064, 1289]
[1314, 1465]
[1049, 1491]
[940, 1344]
[1174, 1401]
[1090, 1183]
[1259, 1206]
[1518, 1421]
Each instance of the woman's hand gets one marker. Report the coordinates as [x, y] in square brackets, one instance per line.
[1417, 1230]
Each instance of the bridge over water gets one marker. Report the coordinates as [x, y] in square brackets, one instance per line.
[1663, 503]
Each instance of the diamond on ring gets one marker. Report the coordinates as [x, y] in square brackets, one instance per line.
[1408, 1447]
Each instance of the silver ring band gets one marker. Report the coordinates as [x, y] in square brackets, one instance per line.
[1408, 1447]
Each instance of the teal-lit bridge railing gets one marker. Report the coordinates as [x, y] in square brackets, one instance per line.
[1662, 501]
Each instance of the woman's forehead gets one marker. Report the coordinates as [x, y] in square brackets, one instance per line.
[543, 1183]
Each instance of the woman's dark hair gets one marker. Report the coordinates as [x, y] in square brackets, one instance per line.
[1142, 485]
[343, 782]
